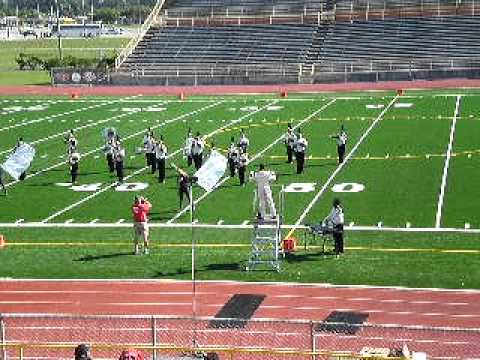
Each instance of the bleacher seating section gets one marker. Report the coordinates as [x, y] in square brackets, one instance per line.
[330, 45]
[221, 45]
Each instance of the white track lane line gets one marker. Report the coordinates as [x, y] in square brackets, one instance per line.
[91, 196]
[438, 217]
[340, 167]
[125, 138]
[64, 113]
[204, 195]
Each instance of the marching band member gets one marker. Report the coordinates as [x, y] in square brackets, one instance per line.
[2, 184]
[149, 147]
[119, 156]
[197, 151]
[289, 141]
[72, 142]
[336, 218]
[184, 184]
[109, 150]
[233, 156]
[242, 166]
[301, 145]
[243, 143]
[341, 139]
[74, 161]
[187, 150]
[161, 156]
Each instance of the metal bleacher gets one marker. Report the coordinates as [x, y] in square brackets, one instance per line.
[202, 38]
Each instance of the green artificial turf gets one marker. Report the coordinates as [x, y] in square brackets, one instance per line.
[400, 163]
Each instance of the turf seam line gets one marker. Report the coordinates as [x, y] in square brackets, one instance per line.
[259, 154]
[87, 198]
[438, 217]
[340, 167]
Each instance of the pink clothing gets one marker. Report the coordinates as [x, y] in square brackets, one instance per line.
[140, 211]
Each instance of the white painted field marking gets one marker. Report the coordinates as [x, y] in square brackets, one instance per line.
[64, 113]
[62, 133]
[340, 167]
[89, 225]
[441, 196]
[221, 182]
[85, 199]
[180, 117]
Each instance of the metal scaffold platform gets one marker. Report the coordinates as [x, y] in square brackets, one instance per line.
[266, 250]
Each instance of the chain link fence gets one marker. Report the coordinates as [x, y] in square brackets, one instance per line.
[55, 337]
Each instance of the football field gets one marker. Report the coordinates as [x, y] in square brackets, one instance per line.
[412, 161]
[415, 159]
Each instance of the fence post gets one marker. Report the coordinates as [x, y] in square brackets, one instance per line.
[3, 339]
[154, 337]
[312, 338]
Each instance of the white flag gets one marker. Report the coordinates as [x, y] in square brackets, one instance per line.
[211, 171]
[19, 161]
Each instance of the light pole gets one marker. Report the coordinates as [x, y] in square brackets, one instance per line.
[60, 55]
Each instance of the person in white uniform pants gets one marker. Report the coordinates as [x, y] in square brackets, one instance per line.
[263, 178]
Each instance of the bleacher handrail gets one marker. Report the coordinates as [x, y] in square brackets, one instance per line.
[152, 17]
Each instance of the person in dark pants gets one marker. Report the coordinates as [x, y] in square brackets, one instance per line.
[341, 139]
[242, 166]
[161, 156]
[336, 219]
[233, 156]
[290, 139]
[185, 182]
[148, 147]
[109, 146]
[301, 145]
[197, 151]
[2, 183]
[74, 160]
[119, 155]
[187, 150]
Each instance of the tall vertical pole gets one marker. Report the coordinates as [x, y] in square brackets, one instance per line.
[3, 338]
[60, 55]
[194, 289]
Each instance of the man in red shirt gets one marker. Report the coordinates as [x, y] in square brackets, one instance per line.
[140, 209]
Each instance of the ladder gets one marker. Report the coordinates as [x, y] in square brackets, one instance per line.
[266, 239]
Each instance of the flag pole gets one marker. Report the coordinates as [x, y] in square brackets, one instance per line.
[194, 290]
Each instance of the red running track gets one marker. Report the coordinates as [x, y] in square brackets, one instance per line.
[397, 308]
[237, 89]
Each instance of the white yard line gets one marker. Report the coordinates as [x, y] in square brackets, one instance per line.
[62, 133]
[438, 217]
[110, 225]
[259, 154]
[180, 117]
[340, 167]
[91, 196]
[63, 114]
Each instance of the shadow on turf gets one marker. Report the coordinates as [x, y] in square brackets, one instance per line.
[101, 257]
[309, 256]
[209, 267]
